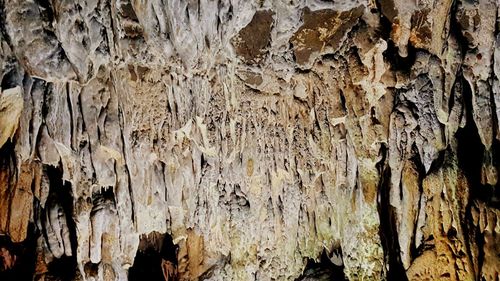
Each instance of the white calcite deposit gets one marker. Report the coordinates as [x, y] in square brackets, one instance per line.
[258, 134]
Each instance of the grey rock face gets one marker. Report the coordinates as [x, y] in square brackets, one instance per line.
[260, 135]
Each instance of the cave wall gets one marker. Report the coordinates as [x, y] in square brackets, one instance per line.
[258, 134]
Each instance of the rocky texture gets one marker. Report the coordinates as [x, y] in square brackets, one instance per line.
[261, 135]
[322, 32]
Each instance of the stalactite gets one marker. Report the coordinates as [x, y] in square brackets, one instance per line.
[264, 140]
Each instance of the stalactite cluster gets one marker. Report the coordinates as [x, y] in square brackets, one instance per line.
[249, 140]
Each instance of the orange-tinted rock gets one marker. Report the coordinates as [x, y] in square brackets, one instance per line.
[192, 256]
[421, 34]
[16, 198]
[444, 254]
[22, 203]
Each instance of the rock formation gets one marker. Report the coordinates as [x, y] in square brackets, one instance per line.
[265, 139]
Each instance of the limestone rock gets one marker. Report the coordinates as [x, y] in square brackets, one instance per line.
[259, 140]
[11, 106]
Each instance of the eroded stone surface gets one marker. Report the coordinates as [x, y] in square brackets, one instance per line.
[258, 134]
[255, 37]
[322, 32]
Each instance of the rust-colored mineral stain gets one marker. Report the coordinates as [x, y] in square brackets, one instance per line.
[322, 28]
[252, 40]
[421, 34]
